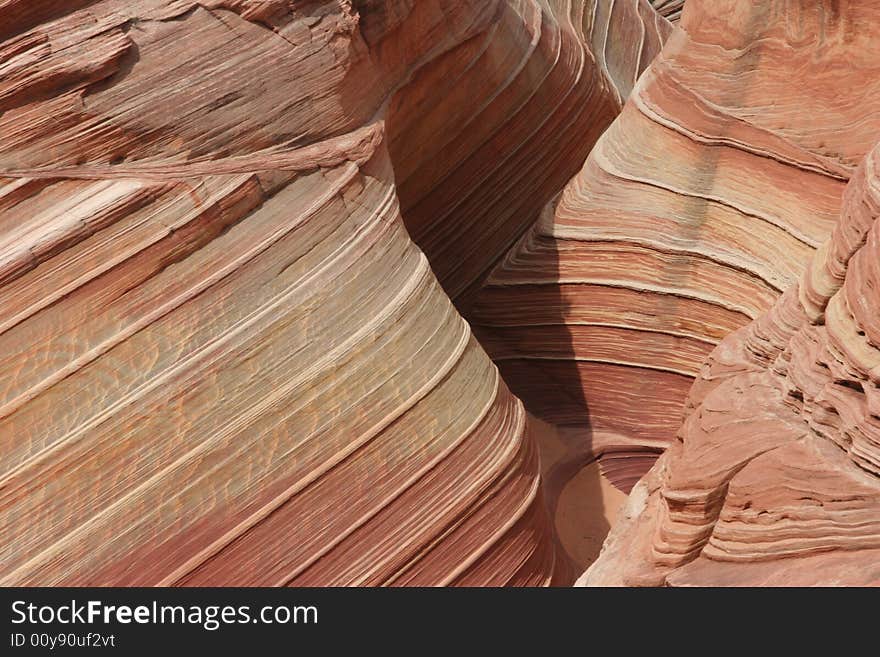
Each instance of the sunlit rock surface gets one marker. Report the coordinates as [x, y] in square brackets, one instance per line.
[774, 480]
[224, 359]
[696, 209]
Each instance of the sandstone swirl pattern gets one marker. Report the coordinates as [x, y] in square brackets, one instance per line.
[671, 9]
[697, 208]
[478, 153]
[776, 478]
[224, 359]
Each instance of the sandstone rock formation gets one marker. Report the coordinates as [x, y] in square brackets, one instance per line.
[243, 244]
[696, 209]
[224, 359]
[775, 478]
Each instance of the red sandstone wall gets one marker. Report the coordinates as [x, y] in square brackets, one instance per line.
[774, 478]
[695, 210]
[225, 360]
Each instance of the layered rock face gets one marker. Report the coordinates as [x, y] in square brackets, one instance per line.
[776, 477]
[697, 208]
[243, 243]
[225, 361]
[671, 9]
[484, 135]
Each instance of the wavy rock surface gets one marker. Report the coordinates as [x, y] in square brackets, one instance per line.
[776, 478]
[478, 153]
[670, 9]
[697, 208]
[225, 361]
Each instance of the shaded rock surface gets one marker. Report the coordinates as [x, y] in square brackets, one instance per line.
[671, 9]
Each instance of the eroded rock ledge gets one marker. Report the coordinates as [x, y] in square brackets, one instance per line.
[777, 478]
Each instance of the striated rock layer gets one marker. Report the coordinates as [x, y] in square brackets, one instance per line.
[477, 154]
[225, 361]
[671, 9]
[776, 477]
[696, 209]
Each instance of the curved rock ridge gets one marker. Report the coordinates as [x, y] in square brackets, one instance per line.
[225, 361]
[207, 372]
[695, 210]
[777, 478]
[157, 418]
[477, 154]
[670, 9]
